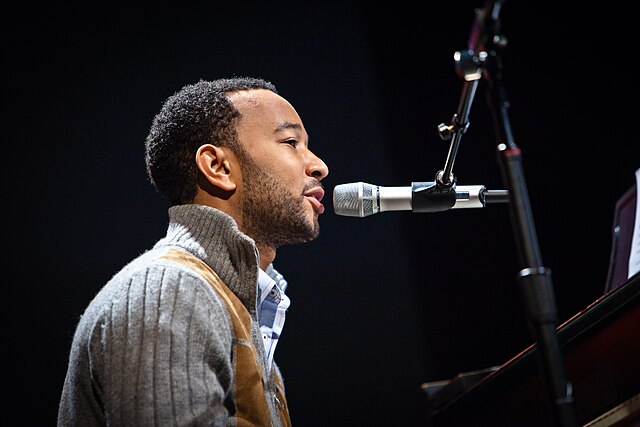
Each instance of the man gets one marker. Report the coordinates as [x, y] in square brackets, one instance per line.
[185, 333]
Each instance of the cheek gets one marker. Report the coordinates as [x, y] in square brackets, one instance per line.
[289, 170]
[291, 182]
[284, 166]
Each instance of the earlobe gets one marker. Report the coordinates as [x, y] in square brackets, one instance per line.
[215, 167]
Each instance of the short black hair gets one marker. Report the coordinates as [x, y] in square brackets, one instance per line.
[198, 114]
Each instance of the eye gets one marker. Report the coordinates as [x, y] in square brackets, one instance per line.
[291, 142]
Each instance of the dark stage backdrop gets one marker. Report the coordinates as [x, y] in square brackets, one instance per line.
[379, 304]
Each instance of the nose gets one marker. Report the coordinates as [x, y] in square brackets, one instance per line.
[316, 167]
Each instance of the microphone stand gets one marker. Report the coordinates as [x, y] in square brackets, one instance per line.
[482, 60]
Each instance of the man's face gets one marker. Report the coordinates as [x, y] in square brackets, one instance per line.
[281, 190]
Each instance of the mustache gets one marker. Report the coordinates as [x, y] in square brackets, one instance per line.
[314, 183]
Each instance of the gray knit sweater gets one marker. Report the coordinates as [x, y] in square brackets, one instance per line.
[154, 345]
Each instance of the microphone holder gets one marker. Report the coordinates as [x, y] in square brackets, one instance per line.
[468, 67]
[482, 61]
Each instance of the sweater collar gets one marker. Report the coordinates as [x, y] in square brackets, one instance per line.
[214, 237]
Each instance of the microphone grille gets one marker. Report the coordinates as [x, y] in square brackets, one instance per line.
[347, 199]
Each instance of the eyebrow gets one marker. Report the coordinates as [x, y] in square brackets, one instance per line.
[287, 125]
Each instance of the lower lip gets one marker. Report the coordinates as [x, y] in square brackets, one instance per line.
[319, 207]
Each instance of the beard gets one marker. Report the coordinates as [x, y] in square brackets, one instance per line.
[272, 214]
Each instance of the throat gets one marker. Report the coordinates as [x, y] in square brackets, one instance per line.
[266, 254]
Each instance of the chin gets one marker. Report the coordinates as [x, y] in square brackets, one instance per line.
[314, 230]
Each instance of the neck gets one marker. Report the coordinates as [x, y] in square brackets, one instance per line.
[267, 254]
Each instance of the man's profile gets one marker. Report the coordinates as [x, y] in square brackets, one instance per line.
[185, 333]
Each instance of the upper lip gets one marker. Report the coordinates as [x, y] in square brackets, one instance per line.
[317, 193]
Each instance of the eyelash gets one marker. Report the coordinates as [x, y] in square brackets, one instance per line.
[291, 142]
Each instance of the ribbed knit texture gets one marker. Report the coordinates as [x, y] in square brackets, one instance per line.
[153, 348]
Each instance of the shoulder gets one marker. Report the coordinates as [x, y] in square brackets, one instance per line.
[151, 292]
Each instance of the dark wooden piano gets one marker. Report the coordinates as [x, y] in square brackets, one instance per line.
[601, 350]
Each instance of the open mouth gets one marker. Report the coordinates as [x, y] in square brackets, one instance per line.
[315, 196]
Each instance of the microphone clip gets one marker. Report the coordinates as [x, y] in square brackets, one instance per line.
[431, 197]
[434, 196]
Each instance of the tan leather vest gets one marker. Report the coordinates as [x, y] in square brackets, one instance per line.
[251, 404]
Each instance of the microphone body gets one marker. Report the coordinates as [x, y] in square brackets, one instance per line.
[360, 199]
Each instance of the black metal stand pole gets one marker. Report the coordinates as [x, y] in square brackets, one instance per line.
[534, 279]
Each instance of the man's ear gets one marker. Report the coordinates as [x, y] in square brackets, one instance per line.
[215, 165]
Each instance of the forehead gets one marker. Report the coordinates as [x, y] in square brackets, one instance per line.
[263, 108]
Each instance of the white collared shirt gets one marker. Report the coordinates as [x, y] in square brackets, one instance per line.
[272, 307]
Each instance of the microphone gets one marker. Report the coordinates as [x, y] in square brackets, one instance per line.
[360, 199]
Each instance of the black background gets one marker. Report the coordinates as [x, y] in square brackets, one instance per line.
[379, 304]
